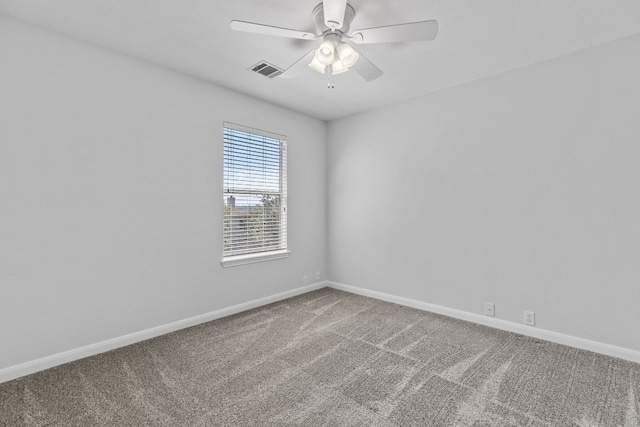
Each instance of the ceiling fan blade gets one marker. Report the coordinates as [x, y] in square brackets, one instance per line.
[251, 27]
[334, 13]
[297, 66]
[414, 31]
[366, 68]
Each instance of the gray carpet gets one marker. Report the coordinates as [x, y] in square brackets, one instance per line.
[330, 358]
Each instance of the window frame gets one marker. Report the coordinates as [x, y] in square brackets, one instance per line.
[282, 251]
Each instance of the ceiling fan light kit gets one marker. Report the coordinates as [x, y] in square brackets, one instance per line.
[333, 57]
[332, 19]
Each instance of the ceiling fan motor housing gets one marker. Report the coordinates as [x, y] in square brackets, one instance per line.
[321, 28]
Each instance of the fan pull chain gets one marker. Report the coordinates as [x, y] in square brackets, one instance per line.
[328, 71]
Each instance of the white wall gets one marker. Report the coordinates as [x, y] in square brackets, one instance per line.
[111, 196]
[522, 189]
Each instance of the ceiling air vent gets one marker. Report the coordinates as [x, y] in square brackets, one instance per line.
[266, 69]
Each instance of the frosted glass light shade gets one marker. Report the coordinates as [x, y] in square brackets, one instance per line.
[325, 53]
[316, 65]
[347, 54]
[338, 67]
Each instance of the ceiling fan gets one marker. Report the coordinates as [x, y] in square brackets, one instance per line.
[332, 19]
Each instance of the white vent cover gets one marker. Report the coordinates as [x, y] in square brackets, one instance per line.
[266, 69]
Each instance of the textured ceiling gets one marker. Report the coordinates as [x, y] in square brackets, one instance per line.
[476, 39]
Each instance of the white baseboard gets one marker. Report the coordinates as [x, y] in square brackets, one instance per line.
[584, 344]
[37, 365]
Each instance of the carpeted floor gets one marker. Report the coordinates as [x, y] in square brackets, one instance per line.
[330, 358]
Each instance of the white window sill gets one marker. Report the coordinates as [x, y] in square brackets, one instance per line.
[232, 261]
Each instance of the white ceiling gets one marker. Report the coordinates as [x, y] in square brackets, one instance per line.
[477, 38]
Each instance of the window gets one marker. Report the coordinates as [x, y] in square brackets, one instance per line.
[255, 195]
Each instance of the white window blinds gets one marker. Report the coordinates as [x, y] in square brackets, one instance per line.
[255, 191]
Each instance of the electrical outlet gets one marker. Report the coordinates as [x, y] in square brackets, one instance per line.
[529, 318]
[489, 309]
[305, 281]
[317, 275]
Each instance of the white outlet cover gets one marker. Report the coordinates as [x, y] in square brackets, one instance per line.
[529, 318]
